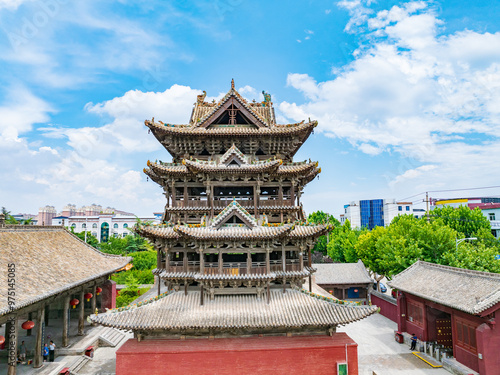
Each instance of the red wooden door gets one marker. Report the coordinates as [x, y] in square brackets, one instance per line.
[443, 332]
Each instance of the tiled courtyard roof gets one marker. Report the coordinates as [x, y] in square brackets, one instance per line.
[465, 290]
[48, 261]
[342, 273]
[177, 312]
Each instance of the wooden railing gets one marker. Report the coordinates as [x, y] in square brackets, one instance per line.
[235, 268]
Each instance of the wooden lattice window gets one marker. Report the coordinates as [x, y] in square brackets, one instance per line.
[466, 334]
[415, 313]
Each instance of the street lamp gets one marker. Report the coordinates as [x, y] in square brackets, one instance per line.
[463, 239]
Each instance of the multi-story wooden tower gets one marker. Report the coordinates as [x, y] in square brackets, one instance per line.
[233, 215]
[234, 250]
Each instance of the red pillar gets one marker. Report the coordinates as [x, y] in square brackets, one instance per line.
[488, 345]
[401, 317]
[108, 294]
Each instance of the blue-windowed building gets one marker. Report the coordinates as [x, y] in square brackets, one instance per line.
[371, 213]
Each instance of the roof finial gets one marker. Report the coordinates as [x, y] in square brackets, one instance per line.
[232, 83]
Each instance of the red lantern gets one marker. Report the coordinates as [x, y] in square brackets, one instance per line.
[2, 340]
[330, 291]
[88, 296]
[28, 324]
[98, 290]
[74, 302]
[355, 290]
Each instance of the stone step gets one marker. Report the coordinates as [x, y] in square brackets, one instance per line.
[111, 337]
[51, 368]
[78, 364]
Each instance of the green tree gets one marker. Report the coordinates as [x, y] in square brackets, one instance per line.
[479, 257]
[136, 243]
[320, 217]
[129, 293]
[91, 240]
[115, 245]
[366, 248]
[144, 260]
[342, 244]
[462, 219]
[9, 219]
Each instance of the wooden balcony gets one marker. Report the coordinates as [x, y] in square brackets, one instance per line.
[221, 202]
[212, 268]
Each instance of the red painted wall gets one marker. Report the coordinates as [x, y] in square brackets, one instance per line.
[387, 309]
[487, 335]
[271, 355]
[108, 295]
[488, 344]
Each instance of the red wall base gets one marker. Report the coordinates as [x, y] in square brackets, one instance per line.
[312, 355]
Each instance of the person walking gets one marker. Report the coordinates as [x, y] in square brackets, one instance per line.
[22, 352]
[414, 339]
[45, 353]
[52, 349]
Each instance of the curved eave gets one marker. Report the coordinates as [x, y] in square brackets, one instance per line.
[197, 167]
[311, 176]
[311, 231]
[153, 176]
[233, 233]
[160, 169]
[154, 232]
[301, 169]
[160, 131]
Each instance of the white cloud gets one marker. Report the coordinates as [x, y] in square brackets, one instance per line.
[21, 111]
[431, 98]
[98, 164]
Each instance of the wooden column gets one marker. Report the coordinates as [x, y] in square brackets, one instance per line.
[268, 292]
[174, 203]
[65, 322]
[186, 202]
[38, 359]
[47, 312]
[201, 294]
[93, 301]
[158, 266]
[202, 262]
[28, 331]
[301, 258]
[256, 191]
[249, 262]
[292, 194]
[185, 261]
[167, 260]
[211, 202]
[268, 261]
[81, 314]
[12, 353]
[280, 193]
[220, 262]
[283, 257]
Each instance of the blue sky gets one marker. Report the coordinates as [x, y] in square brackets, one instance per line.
[407, 94]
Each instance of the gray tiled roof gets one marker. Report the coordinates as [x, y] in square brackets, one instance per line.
[48, 261]
[342, 273]
[465, 290]
[178, 312]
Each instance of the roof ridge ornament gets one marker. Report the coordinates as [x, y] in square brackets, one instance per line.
[232, 83]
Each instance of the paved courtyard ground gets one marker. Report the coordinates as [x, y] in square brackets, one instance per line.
[379, 353]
